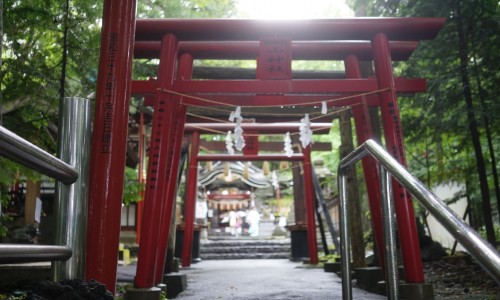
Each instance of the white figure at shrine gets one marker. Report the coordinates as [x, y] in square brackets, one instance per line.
[253, 219]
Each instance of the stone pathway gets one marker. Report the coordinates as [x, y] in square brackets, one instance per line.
[263, 279]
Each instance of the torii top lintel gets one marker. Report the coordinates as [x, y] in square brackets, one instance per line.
[396, 29]
[400, 51]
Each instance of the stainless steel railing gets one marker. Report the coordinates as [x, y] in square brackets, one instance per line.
[74, 141]
[16, 253]
[481, 250]
[19, 150]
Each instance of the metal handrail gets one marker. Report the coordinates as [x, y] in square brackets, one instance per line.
[73, 142]
[19, 150]
[17, 253]
[487, 256]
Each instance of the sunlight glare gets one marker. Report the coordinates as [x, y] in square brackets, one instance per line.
[293, 9]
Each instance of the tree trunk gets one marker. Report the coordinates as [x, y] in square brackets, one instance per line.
[62, 79]
[32, 193]
[355, 221]
[489, 138]
[481, 168]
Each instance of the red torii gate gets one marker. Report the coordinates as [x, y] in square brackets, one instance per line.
[250, 50]
[112, 109]
[304, 157]
[297, 86]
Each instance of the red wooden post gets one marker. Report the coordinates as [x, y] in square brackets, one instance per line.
[109, 139]
[140, 176]
[177, 133]
[407, 229]
[157, 168]
[363, 133]
[190, 204]
[310, 207]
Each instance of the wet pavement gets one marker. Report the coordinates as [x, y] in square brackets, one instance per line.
[263, 279]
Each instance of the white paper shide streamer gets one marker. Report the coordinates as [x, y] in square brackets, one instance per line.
[324, 108]
[305, 131]
[237, 136]
[239, 141]
[229, 143]
[288, 145]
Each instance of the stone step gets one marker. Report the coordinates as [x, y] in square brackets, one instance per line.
[228, 256]
[242, 243]
[244, 248]
[254, 249]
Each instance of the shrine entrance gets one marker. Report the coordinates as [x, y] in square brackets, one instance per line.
[274, 96]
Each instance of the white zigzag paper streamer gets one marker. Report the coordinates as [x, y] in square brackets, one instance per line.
[324, 108]
[305, 131]
[229, 143]
[239, 140]
[288, 145]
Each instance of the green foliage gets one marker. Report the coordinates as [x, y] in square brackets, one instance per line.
[32, 63]
[146, 68]
[329, 257]
[131, 188]
[435, 124]
[482, 232]
[186, 9]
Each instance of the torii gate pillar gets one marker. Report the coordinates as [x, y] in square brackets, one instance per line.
[109, 139]
[158, 168]
[407, 229]
[178, 120]
[310, 207]
[190, 202]
[363, 133]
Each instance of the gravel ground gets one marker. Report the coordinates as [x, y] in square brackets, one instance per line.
[459, 277]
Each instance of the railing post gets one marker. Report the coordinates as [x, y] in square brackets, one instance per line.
[345, 244]
[487, 256]
[71, 200]
[391, 257]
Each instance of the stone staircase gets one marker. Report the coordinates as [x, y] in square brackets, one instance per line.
[219, 244]
[245, 248]
[222, 245]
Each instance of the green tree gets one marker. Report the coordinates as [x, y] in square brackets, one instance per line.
[450, 131]
[49, 51]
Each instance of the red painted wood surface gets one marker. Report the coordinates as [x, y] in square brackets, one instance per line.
[393, 133]
[109, 138]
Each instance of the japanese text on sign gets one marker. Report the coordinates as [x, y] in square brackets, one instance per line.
[109, 93]
[275, 59]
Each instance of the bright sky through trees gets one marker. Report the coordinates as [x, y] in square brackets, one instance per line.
[293, 9]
